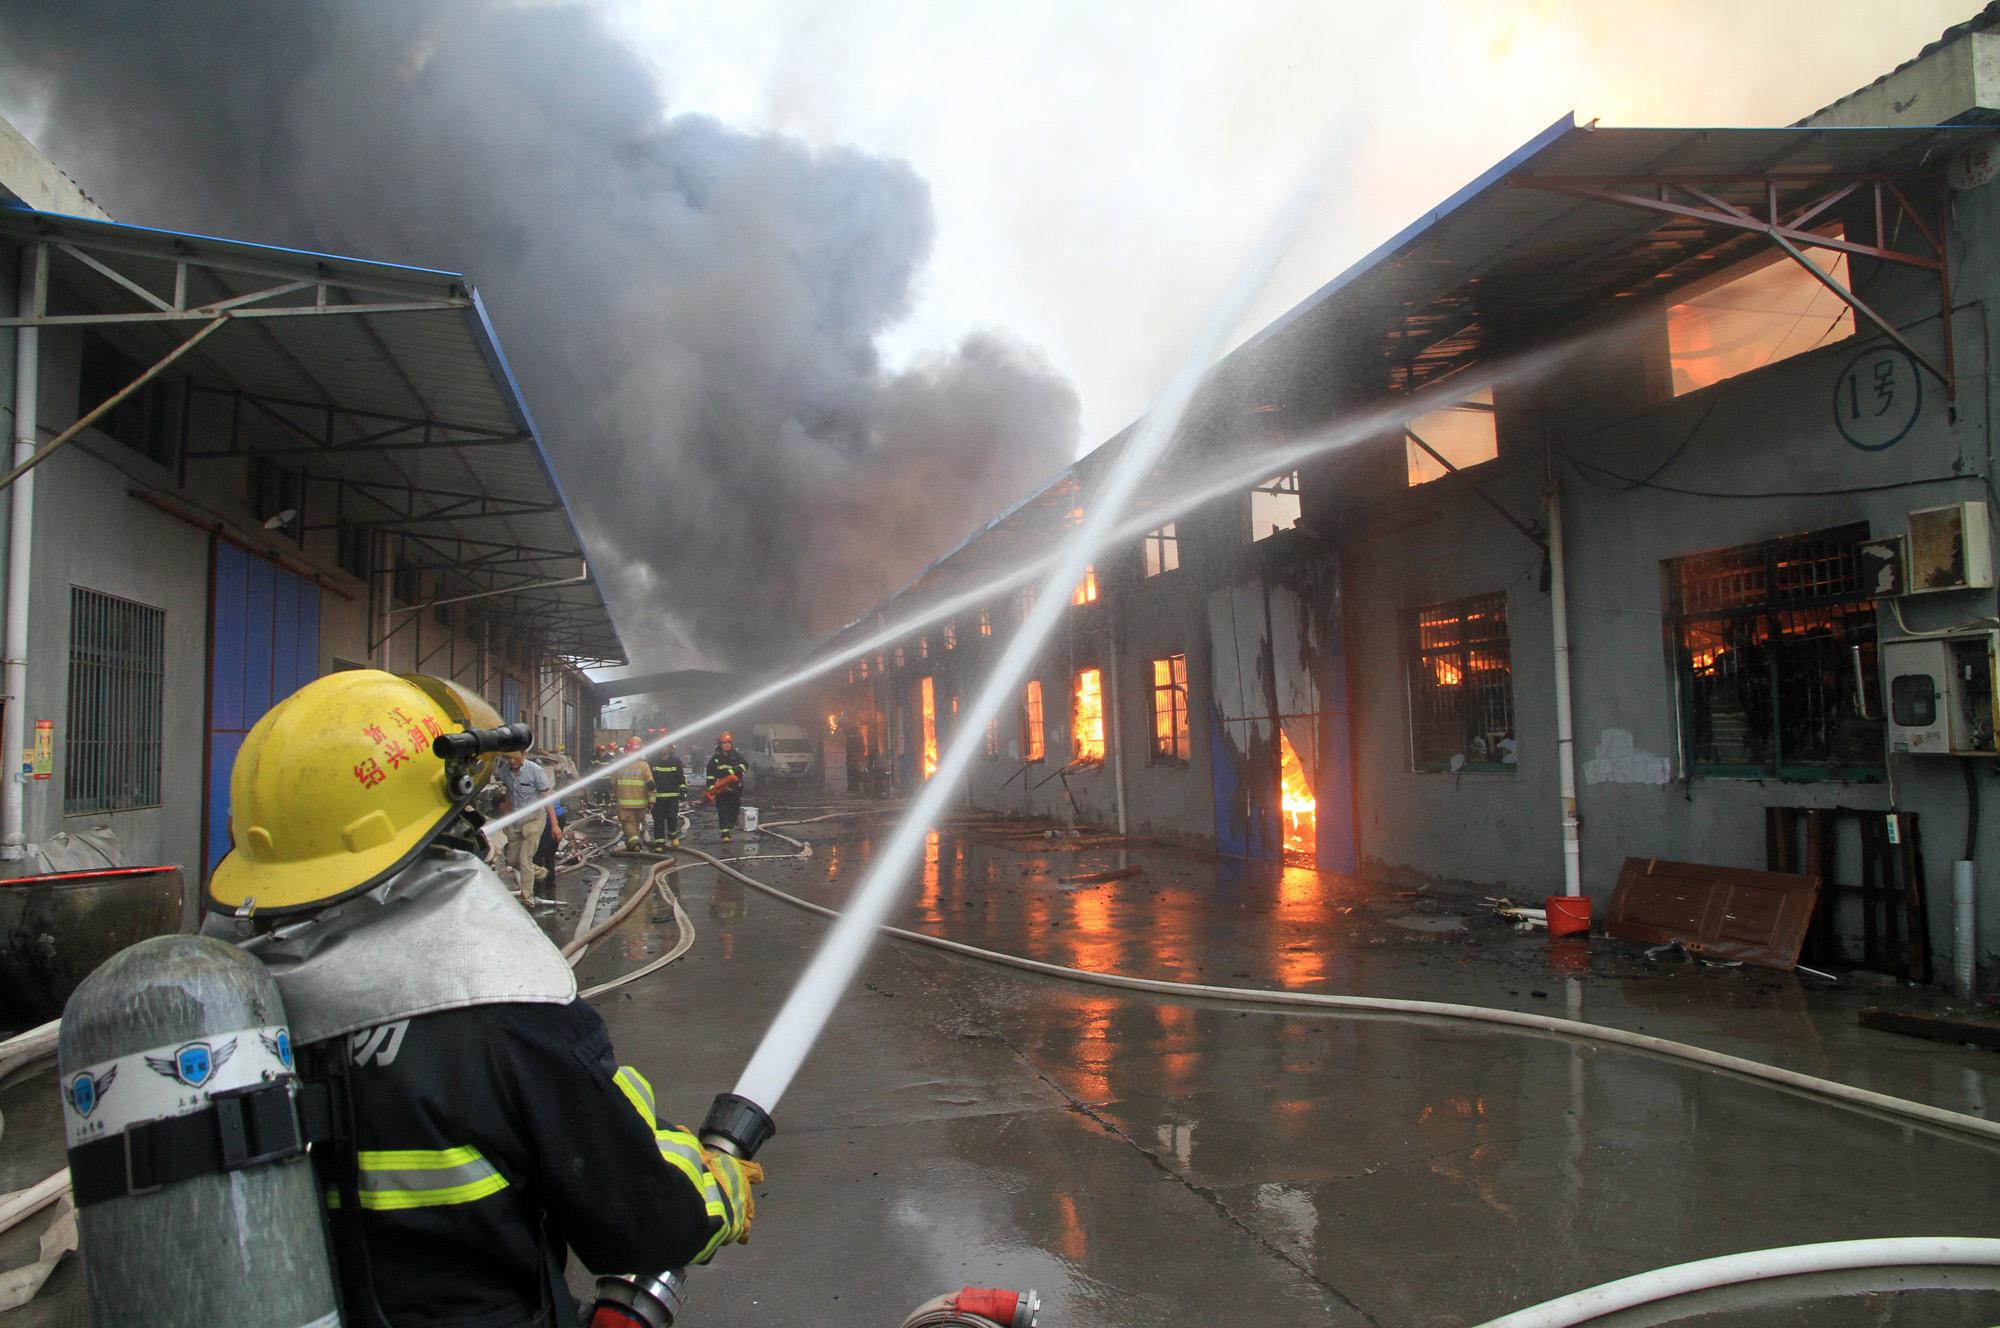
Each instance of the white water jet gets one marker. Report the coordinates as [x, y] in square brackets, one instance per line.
[805, 1012]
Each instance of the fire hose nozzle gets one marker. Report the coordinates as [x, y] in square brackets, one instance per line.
[737, 1126]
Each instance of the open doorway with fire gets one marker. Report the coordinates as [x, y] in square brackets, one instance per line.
[1278, 712]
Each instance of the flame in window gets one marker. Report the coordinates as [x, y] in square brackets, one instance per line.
[1089, 728]
[927, 694]
[1086, 590]
[833, 723]
[1448, 674]
[1296, 797]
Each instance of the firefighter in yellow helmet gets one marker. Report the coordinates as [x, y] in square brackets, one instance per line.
[634, 785]
[491, 1128]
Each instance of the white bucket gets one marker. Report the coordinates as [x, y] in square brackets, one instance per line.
[749, 819]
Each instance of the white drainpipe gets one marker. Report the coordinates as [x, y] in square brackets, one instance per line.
[1565, 723]
[20, 546]
[1114, 733]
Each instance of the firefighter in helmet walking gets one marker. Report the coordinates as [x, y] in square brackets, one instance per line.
[727, 771]
[487, 1128]
[634, 783]
[669, 790]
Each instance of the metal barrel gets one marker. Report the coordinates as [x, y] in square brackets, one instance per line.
[154, 1033]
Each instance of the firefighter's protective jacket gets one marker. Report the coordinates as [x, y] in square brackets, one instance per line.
[634, 782]
[492, 1138]
[669, 777]
[492, 1127]
[721, 763]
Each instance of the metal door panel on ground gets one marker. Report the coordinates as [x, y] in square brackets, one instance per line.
[263, 646]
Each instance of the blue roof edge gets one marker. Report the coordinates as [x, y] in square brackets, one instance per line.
[488, 340]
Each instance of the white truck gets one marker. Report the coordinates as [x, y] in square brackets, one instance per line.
[783, 751]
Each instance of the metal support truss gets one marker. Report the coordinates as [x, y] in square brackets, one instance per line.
[329, 296]
[1785, 208]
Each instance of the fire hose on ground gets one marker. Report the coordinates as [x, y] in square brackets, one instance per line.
[1847, 1095]
[1595, 1302]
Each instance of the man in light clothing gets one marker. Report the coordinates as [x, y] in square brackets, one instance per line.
[523, 781]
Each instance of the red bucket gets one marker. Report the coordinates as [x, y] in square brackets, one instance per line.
[1569, 915]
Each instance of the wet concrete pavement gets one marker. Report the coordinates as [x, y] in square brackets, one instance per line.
[1145, 1161]
[1148, 1161]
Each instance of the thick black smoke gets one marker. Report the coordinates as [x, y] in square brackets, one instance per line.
[693, 311]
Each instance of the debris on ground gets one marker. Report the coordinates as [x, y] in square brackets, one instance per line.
[1102, 877]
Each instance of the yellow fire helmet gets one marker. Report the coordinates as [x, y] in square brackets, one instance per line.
[336, 789]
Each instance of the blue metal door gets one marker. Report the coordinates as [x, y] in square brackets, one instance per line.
[263, 646]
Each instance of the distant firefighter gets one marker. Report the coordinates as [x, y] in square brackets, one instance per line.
[634, 782]
[670, 793]
[727, 771]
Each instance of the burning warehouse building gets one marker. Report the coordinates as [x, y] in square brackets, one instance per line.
[1639, 489]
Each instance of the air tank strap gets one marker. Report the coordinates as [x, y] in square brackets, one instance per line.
[243, 1127]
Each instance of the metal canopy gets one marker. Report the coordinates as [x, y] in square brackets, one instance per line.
[384, 383]
[1577, 219]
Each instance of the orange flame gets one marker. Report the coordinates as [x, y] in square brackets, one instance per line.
[1086, 589]
[833, 724]
[1089, 728]
[1296, 797]
[928, 693]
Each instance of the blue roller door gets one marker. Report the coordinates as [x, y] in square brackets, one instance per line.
[263, 646]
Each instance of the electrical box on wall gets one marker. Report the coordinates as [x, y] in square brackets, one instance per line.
[1951, 548]
[1941, 694]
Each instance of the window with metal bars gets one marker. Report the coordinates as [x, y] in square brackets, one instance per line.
[117, 683]
[1461, 686]
[1774, 655]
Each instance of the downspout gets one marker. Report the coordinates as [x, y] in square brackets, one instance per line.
[1113, 730]
[20, 547]
[1565, 723]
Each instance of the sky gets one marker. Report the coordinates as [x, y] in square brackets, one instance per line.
[1098, 169]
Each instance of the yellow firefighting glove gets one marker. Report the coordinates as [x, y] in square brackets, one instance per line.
[735, 1176]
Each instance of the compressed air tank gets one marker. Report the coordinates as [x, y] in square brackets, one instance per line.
[156, 1033]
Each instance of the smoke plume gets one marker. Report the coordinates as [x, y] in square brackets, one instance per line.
[693, 311]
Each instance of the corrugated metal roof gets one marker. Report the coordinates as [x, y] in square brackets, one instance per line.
[415, 412]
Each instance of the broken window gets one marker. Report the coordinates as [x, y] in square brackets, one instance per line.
[951, 636]
[148, 420]
[1170, 710]
[1774, 651]
[1461, 686]
[1163, 550]
[923, 647]
[1027, 600]
[1771, 312]
[927, 707]
[1086, 589]
[993, 737]
[1274, 505]
[1462, 433]
[1032, 748]
[985, 623]
[899, 657]
[1087, 732]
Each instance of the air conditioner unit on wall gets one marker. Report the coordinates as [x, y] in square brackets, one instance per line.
[1941, 693]
[1950, 548]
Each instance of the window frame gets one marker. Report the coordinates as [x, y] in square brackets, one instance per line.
[1418, 661]
[1289, 484]
[1157, 547]
[1034, 726]
[1771, 607]
[1176, 688]
[134, 686]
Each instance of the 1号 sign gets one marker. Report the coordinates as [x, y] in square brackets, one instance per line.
[1877, 397]
[42, 764]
